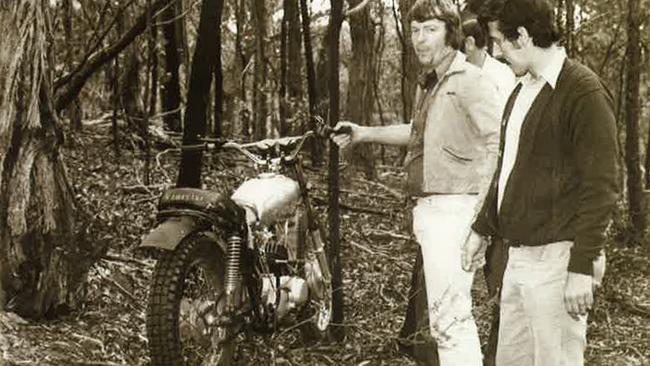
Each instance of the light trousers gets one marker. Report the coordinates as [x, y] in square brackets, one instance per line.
[535, 328]
[441, 224]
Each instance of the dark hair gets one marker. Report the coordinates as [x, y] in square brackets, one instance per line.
[472, 27]
[536, 16]
[443, 10]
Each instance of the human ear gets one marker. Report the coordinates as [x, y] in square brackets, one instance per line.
[470, 43]
[523, 39]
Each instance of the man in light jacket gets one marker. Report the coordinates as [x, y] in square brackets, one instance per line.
[452, 144]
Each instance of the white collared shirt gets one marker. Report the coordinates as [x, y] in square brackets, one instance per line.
[530, 88]
[501, 75]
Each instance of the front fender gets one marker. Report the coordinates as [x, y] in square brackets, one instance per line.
[169, 233]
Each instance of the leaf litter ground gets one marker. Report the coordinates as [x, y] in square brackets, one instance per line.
[109, 329]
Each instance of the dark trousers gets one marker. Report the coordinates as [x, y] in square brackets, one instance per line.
[415, 338]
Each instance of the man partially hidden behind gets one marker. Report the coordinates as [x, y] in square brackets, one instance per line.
[452, 144]
[475, 46]
[553, 192]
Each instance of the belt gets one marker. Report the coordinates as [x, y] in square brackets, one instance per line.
[415, 197]
[513, 243]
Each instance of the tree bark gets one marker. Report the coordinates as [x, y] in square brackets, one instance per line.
[240, 23]
[130, 87]
[44, 260]
[632, 157]
[409, 62]
[334, 32]
[569, 29]
[171, 86]
[259, 81]
[217, 128]
[282, 92]
[360, 105]
[205, 55]
[74, 111]
[294, 60]
[312, 94]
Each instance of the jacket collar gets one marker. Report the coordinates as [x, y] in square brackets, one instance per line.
[551, 72]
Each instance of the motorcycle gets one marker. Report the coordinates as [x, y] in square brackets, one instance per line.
[229, 264]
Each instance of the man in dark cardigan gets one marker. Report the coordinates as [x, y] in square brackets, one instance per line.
[553, 193]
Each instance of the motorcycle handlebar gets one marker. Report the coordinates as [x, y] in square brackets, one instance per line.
[292, 143]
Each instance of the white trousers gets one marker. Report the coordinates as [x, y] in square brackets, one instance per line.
[441, 223]
[535, 328]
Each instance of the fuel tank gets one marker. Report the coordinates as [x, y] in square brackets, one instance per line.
[268, 198]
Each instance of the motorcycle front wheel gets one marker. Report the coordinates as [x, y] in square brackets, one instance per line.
[185, 314]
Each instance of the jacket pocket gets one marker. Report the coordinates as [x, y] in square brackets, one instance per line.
[455, 155]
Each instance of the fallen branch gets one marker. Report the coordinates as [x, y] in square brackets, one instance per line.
[135, 301]
[392, 191]
[322, 201]
[380, 232]
[399, 263]
[118, 258]
[633, 309]
[141, 188]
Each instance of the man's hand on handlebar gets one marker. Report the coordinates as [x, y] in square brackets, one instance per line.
[346, 133]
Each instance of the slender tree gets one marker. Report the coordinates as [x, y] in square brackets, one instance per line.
[569, 29]
[408, 59]
[294, 61]
[44, 259]
[217, 128]
[312, 91]
[171, 85]
[632, 155]
[360, 105]
[334, 32]
[260, 111]
[205, 54]
[242, 58]
[74, 111]
[283, 69]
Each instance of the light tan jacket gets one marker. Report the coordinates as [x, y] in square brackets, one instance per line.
[461, 136]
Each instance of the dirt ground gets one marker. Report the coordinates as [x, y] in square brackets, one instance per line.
[109, 328]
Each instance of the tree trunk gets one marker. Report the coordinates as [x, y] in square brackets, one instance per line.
[205, 55]
[360, 105]
[259, 82]
[294, 63]
[409, 62]
[282, 92]
[312, 93]
[43, 260]
[217, 128]
[130, 98]
[171, 88]
[240, 23]
[74, 111]
[632, 158]
[569, 29]
[334, 31]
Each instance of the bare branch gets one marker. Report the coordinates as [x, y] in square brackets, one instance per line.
[357, 9]
[77, 81]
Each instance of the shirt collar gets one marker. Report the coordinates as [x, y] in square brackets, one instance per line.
[551, 72]
[451, 62]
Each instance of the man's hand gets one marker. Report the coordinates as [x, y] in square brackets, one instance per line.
[349, 138]
[578, 294]
[473, 252]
